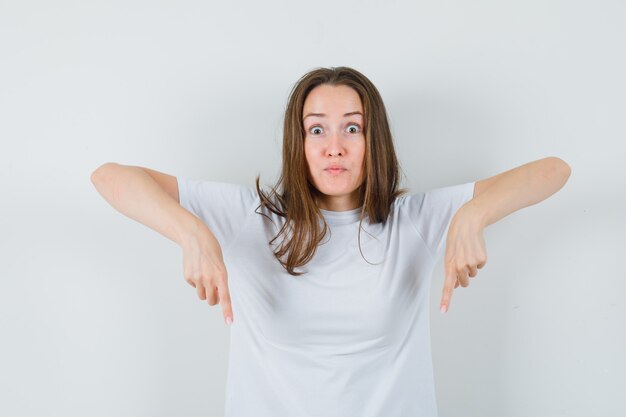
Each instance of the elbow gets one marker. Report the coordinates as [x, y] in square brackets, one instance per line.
[560, 172]
[561, 166]
[565, 168]
[99, 173]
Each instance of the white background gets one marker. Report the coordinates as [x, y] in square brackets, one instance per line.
[96, 318]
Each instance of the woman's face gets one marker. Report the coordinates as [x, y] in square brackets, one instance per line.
[334, 136]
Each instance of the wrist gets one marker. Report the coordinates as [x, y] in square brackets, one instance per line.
[472, 215]
[191, 228]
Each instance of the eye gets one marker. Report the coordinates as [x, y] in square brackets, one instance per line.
[354, 124]
[314, 127]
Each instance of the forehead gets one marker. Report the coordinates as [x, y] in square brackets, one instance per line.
[327, 99]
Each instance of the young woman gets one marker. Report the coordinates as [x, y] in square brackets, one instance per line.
[327, 277]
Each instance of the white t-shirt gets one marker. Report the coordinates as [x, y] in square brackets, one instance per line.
[347, 338]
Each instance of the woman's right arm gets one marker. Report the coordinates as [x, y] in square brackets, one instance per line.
[134, 192]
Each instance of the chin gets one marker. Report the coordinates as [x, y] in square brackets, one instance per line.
[335, 191]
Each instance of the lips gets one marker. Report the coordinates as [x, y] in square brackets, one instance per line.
[335, 170]
[335, 167]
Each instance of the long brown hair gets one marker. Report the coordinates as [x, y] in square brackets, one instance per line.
[295, 198]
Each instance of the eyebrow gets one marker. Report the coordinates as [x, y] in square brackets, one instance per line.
[323, 114]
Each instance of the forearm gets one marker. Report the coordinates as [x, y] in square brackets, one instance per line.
[520, 187]
[134, 193]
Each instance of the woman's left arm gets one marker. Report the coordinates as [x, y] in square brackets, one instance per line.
[494, 198]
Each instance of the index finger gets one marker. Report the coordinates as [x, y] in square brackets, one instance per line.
[448, 287]
[224, 294]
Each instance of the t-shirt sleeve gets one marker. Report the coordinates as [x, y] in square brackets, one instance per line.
[222, 206]
[432, 211]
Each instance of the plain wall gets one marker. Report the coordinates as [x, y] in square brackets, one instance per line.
[96, 318]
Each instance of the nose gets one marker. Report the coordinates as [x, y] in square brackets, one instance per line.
[335, 146]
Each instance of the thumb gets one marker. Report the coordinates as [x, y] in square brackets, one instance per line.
[224, 295]
[448, 288]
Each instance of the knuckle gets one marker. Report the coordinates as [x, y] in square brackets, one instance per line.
[222, 273]
[224, 293]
